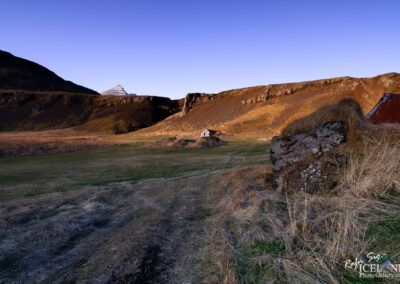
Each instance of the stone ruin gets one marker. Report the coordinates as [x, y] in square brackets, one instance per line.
[308, 162]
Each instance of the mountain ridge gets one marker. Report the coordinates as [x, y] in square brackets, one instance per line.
[33, 97]
[21, 74]
[260, 110]
[265, 110]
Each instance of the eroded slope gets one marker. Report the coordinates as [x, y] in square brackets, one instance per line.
[266, 110]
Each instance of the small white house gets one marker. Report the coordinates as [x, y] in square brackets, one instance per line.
[208, 133]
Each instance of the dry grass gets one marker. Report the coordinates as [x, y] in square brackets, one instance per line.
[269, 236]
[77, 217]
[30, 143]
[231, 111]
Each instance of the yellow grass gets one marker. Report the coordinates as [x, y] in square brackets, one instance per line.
[269, 235]
[29, 143]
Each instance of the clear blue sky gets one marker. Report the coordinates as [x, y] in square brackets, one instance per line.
[170, 48]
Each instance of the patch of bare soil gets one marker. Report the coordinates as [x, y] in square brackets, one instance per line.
[154, 231]
[203, 142]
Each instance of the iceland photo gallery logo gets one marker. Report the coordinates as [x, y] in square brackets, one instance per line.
[377, 265]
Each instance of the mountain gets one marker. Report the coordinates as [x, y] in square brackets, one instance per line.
[116, 91]
[34, 98]
[27, 110]
[121, 114]
[266, 110]
[21, 74]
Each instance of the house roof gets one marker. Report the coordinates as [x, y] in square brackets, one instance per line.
[387, 110]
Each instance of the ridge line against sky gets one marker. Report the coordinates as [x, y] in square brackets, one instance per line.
[170, 48]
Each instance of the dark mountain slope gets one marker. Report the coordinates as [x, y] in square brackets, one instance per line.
[27, 110]
[32, 98]
[21, 74]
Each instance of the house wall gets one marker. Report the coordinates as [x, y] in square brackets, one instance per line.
[205, 133]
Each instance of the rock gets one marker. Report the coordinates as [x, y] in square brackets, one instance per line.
[313, 177]
[289, 150]
[339, 159]
[306, 161]
[192, 98]
[387, 82]
[330, 134]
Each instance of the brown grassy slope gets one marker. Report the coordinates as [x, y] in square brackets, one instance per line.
[32, 143]
[266, 110]
[267, 234]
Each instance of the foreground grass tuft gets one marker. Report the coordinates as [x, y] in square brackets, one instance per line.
[266, 235]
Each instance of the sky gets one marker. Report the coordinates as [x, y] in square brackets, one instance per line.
[174, 47]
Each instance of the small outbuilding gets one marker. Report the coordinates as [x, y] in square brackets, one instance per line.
[208, 133]
[387, 110]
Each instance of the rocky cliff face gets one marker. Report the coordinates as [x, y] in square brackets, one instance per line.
[128, 113]
[264, 93]
[280, 90]
[193, 98]
[24, 110]
[308, 162]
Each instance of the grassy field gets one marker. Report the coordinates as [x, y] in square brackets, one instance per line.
[141, 214]
[105, 214]
[33, 176]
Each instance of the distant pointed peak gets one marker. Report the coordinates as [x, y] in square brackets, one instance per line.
[118, 90]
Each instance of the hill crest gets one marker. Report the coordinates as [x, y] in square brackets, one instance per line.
[266, 110]
[20, 74]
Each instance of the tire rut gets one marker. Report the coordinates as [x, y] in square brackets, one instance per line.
[166, 243]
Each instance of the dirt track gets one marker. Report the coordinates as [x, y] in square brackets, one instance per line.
[150, 232]
[153, 230]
